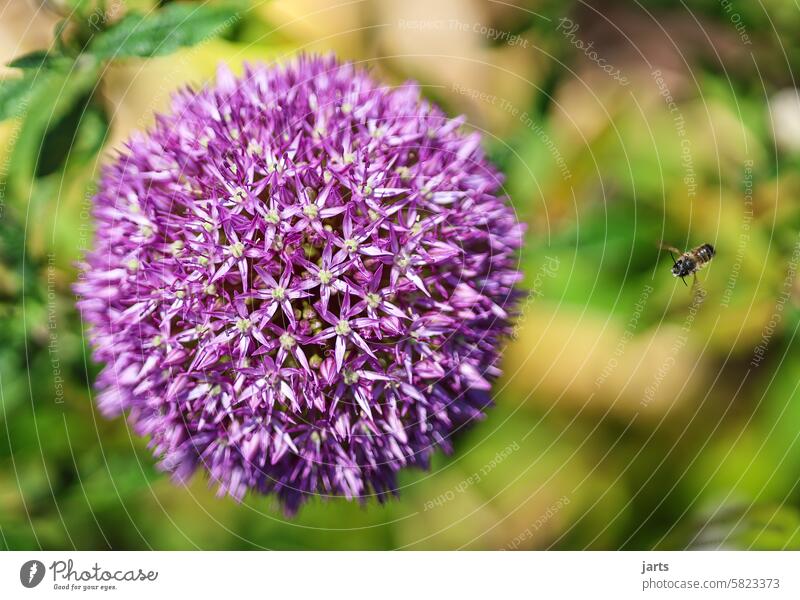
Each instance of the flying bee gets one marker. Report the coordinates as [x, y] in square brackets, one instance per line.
[691, 261]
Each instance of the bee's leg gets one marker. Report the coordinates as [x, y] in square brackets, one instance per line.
[672, 252]
[683, 279]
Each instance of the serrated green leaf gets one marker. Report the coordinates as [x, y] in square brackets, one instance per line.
[175, 26]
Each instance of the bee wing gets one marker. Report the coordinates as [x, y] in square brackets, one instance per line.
[672, 251]
[664, 246]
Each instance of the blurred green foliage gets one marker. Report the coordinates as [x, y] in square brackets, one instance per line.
[628, 416]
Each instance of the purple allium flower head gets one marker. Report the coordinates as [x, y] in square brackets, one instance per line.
[300, 282]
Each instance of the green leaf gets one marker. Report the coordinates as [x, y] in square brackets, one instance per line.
[173, 27]
[74, 138]
[91, 135]
[16, 92]
[54, 99]
[38, 69]
[734, 526]
[38, 59]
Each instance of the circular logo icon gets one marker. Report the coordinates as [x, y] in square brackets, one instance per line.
[31, 573]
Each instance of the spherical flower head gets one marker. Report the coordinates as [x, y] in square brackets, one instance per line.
[300, 282]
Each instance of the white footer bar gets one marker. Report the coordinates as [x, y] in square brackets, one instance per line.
[400, 575]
